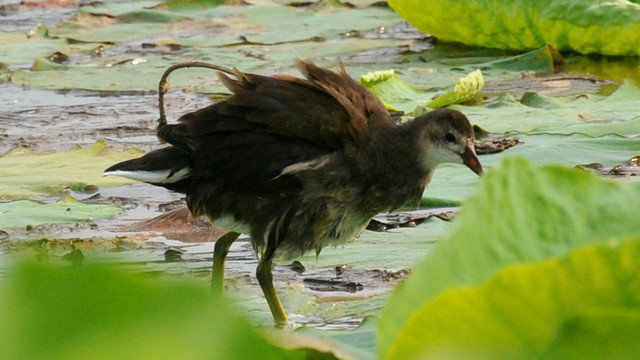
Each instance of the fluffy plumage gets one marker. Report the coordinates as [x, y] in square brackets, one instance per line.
[303, 163]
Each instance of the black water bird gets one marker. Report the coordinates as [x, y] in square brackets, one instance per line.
[298, 164]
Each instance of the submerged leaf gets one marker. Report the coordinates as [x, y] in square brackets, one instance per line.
[630, 168]
[541, 60]
[359, 342]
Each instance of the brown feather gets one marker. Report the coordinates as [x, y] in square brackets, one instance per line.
[304, 162]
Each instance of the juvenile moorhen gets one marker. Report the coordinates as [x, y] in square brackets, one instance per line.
[298, 164]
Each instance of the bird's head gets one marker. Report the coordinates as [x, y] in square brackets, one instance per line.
[447, 137]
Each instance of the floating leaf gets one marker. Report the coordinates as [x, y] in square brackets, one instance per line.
[39, 30]
[359, 342]
[26, 212]
[25, 173]
[41, 64]
[5, 73]
[186, 27]
[586, 114]
[18, 48]
[630, 168]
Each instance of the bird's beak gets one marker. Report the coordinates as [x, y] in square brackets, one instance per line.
[470, 159]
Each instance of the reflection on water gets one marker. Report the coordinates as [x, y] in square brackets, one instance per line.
[615, 69]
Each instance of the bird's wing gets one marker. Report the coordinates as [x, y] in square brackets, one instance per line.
[329, 109]
[270, 130]
[365, 112]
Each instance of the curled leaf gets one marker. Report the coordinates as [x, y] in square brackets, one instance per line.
[465, 89]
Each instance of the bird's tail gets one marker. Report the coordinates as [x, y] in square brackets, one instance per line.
[168, 167]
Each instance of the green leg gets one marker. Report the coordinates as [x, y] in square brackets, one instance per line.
[265, 279]
[220, 251]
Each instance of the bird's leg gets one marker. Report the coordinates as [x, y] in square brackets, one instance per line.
[220, 251]
[265, 279]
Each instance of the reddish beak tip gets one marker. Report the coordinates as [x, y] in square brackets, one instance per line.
[470, 159]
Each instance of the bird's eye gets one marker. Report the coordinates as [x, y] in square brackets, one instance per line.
[449, 137]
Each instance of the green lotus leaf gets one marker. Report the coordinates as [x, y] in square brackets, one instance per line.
[465, 89]
[398, 95]
[519, 311]
[592, 26]
[99, 313]
[395, 93]
[609, 334]
[520, 213]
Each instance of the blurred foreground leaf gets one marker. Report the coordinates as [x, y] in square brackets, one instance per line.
[611, 335]
[95, 313]
[520, 214]
[516, 313]
[92, 312]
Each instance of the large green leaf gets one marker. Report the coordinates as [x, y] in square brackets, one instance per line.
[520, 213]
[519, 311]
[592, 26]
[609, 334]
[91, 312]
